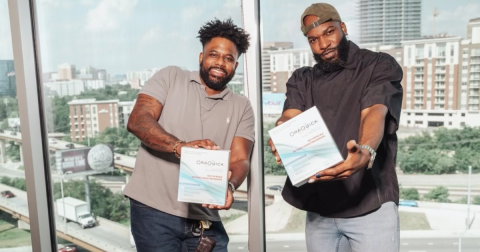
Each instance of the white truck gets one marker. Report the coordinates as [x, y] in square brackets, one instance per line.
[75, 210]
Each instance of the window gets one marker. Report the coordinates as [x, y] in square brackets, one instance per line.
[70, 32]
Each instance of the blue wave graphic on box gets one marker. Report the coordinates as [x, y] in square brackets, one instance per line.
[326, 151]
[214, 190]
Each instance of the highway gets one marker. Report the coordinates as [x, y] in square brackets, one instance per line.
[106, 236]
[406, 245]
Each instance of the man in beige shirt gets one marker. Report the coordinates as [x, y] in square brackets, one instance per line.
[178, 108]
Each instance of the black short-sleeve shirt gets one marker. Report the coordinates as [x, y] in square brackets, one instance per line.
[368, 78]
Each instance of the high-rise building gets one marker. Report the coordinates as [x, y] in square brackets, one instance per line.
[7, 78]
[389, 21]
[89, 117]
[66, 71]
[266, 49]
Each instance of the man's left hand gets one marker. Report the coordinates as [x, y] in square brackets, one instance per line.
[228, 202]
[357, 159]
[228, 198]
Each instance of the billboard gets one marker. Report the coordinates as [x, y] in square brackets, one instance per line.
[85, 161]
[273, 103]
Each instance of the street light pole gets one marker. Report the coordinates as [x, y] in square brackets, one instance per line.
[63, 203]
[468, 196]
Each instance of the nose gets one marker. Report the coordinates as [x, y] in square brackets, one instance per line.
[324, 43]
[220, 61]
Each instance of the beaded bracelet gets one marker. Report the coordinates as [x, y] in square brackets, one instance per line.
[175, 148]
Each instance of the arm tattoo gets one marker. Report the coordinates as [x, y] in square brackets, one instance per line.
[145, 127]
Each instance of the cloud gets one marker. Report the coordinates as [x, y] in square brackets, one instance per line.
[151, 36]
[191, 13]
[448, 21]
[54, 3]
[109, 14]
[87, 2]
[6, 50]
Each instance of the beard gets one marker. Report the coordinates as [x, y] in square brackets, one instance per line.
[215, 83]
[334, 64]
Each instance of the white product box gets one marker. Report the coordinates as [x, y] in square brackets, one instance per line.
[305, 146]
[203, 176]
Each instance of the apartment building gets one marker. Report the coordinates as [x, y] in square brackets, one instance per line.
[441, 83]
[268, 47]
[89, 117]
[284, 62]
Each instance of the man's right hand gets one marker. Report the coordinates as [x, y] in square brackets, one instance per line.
[204, 143]
[286, 115]
[272, 147]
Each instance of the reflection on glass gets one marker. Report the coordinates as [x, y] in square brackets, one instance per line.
[440, 97]
[14, 228]
[96, 55]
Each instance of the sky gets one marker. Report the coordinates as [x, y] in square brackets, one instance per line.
[129, 35]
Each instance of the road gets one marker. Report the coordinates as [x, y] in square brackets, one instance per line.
[407, 245]
[108, 235]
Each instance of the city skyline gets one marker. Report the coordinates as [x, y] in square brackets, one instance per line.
[131, 35]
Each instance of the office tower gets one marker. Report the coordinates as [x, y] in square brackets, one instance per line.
[66, 71]
[266, 69]
[7, 79]
[389, 21]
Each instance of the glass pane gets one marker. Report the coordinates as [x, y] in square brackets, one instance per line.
[96, 56]
[432, 167]
[14, 231]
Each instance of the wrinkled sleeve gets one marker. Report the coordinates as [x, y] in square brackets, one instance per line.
[295, 93]
[385, 88]
[246, 127]
[159, 84]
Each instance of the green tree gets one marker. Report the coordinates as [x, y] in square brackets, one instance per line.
[13, 151]
[438, 194]
[409, 193]
[476, 200]
[122, 140]
[18, 183]
[104, 203]
[465, 157]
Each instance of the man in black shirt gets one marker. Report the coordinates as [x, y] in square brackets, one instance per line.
[359, 95]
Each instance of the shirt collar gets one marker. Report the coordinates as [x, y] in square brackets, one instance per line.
[352, 56]
[224, 95]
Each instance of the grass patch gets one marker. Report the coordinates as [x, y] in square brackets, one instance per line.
[413, 221]
[408, 221]
[125, 222]
[231, 217]
[296, 222]
[10, 235]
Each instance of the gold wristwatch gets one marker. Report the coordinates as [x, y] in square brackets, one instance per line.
[372, 154]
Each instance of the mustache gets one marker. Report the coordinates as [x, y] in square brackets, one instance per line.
[328, 51]
[219, 68]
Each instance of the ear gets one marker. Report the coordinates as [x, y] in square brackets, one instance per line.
[343, 26]
[236, 65]
[200, 58]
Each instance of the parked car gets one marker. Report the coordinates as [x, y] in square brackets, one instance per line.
[13, 133]
[52, 140]
[7, 194]
[70, 145]
[275, 188]
[408, 203]
[69, 248]
[2, 131]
